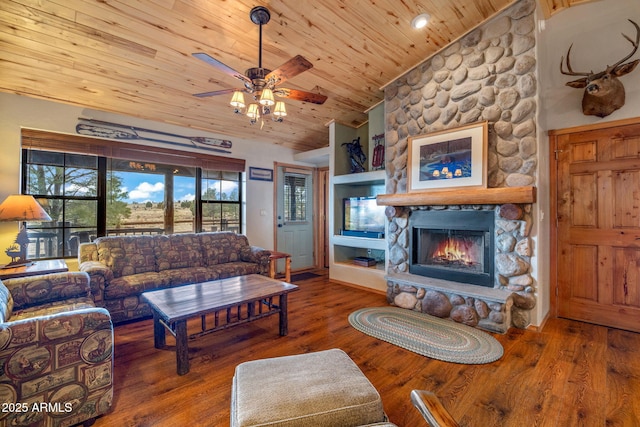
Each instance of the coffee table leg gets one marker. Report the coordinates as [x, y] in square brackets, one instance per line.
[159, 339]
[284, 319]
[182, 350]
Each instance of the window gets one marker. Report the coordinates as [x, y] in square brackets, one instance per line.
[295, 197]
[66, 185]
[89, 196]
[221, 201]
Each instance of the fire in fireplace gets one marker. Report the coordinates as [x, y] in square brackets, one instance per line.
[453, 245]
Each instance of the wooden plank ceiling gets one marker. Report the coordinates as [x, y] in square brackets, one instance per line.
[134, 57]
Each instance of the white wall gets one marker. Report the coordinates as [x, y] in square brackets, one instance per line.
[17, 112]
[594, 29]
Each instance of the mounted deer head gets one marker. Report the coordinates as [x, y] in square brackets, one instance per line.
[603, 92]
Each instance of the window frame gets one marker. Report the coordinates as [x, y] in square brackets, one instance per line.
[53, 142]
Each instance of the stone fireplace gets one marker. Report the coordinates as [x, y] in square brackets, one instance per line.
[496, 296]
[488, 75]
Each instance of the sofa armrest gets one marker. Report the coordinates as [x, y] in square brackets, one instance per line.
[65, 357]
[36, 290]
[87, 251]
[100, 275]
[258, 255]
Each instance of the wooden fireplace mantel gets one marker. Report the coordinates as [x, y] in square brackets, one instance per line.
[461, 196]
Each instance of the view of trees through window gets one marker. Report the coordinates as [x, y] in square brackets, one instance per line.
[89, 196]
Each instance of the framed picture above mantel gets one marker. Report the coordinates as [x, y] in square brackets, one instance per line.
[448, 158]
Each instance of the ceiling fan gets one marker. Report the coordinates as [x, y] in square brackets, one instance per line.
[260, 82]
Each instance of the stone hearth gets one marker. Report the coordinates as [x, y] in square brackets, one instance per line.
[495, 309]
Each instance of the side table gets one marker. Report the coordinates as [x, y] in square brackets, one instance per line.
[37, 267]
[287, 265]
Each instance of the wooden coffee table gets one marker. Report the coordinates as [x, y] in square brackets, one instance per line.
[220, 304]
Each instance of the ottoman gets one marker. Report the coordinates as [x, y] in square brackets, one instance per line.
[324, 388]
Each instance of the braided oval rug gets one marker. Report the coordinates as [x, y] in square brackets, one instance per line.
[427, 335]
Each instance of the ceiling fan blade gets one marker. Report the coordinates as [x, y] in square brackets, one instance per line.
[215, 92]
[289, 69]
[222, 67]
[300, 95]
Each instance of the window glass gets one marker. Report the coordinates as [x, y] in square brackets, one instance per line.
[184, 202]
[134, 199]
[295, 197]
[66, 187]
[145, 191]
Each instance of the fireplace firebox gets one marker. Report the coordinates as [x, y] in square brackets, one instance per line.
[453, 245]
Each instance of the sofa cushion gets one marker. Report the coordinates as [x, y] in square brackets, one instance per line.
[232, 269]
[186, 276]
[135, 284]
[6, 303]
[32, 291]
[178, 251]
[126, 255]
[222, 247]
[48, 309]
[325, 388]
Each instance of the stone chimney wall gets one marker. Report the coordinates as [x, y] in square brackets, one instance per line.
[489, 74]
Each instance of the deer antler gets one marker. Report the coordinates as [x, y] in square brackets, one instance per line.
[570, 71]
[634, 44]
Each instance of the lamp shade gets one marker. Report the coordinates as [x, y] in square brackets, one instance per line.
[252, 112]
[266, 97]
[280, 110]
[22, 207]
[237, 100]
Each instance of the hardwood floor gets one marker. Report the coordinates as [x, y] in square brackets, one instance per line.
[570, 374]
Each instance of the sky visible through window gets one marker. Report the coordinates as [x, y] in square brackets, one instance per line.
[145, 187]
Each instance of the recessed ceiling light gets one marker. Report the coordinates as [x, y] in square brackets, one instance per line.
[420, 21]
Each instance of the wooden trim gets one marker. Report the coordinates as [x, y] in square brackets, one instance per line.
[594, 126]
[44, 140]
[472, 196]
[553, 226]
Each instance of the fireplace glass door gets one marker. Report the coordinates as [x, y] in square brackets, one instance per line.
[456, 246]
[452, 249]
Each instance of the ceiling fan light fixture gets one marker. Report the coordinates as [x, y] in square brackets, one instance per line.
[253, 112]
[280, 112]
[237, 101]
[420, 21]
[266, 97]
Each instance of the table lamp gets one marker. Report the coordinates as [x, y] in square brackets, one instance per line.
[21, 207]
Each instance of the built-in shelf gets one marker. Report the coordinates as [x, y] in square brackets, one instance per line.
[364, 178]
[472, 196]
[359, 242]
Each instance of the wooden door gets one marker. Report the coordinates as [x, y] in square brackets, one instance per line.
[295, 216]
[597, 203]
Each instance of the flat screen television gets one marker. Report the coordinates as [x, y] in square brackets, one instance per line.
[363, 217]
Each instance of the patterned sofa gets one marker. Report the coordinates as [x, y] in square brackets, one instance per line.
[123, 267]
[56, 352]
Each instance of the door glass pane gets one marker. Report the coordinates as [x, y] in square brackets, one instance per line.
[295, 197]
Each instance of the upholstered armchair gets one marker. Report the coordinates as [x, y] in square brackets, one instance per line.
[56, 352]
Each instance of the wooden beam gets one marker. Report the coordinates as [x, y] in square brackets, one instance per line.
[472, 196]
